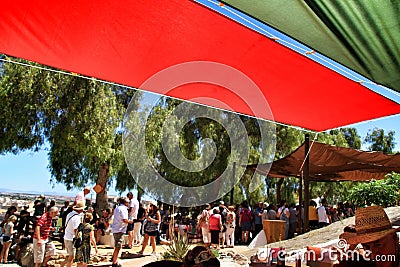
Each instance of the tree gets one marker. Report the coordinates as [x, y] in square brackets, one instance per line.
[351, 136]
[76, 117]
[379, 141]
[192, 141]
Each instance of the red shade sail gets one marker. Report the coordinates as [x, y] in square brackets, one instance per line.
[129, 42]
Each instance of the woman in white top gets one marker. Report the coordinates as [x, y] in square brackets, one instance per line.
[8, 231]
[230, 227]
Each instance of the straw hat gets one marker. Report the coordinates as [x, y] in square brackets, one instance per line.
[372, 223]
[79, 206]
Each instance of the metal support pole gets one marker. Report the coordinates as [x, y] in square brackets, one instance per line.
[306, 180]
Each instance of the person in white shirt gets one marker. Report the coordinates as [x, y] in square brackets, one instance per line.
[72, 221]
[82, 194]
[324, 217]
[119, 227]
[132, 215]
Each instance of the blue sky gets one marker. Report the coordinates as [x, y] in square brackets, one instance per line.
[28, 171]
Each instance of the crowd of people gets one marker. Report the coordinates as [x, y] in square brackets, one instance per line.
[227, 226]
[218, 225]
[128, 216]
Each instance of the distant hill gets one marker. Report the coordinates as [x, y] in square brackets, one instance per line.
[65, 194]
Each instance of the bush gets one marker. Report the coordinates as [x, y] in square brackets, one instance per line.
[378, 192]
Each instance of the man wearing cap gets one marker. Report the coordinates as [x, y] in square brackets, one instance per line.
[81, 195]
[119, 227]
[375, 233]
[72, 221]
[42, 248]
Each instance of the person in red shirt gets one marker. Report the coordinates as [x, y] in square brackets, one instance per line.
[245, 220]
[42, 248]
[215, 227]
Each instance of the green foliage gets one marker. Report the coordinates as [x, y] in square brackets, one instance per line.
[393, 179]
[350, 135]
[76, 118]
[379, 141]
[378, 192]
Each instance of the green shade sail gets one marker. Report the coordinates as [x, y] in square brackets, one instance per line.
[363, 35]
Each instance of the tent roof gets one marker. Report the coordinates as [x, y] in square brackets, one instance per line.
[363, 35]
[129, 42]
[333, 163]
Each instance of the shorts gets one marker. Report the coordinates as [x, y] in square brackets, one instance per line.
[45, 249]
[130, 227]
[69, 247]
[152, 233]
[206, 235]
[6, 238]
[246, 226]
[118, 239]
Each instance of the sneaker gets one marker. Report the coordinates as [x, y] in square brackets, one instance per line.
[154, 253]
[139, 252]
[116, 264]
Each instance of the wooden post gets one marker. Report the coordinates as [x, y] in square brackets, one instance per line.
[306, 180]
[299, 220]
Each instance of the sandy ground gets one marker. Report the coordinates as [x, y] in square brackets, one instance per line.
[147, 257]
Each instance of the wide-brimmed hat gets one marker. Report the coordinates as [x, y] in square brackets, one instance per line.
[79, 206]
[372, 223]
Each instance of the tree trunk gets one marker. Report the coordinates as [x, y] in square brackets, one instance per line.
[102, 197]
[140, 193]
[278, 190]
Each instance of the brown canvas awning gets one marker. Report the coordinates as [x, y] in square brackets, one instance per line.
[333, 163]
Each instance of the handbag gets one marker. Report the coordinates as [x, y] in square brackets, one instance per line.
[78, 241]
